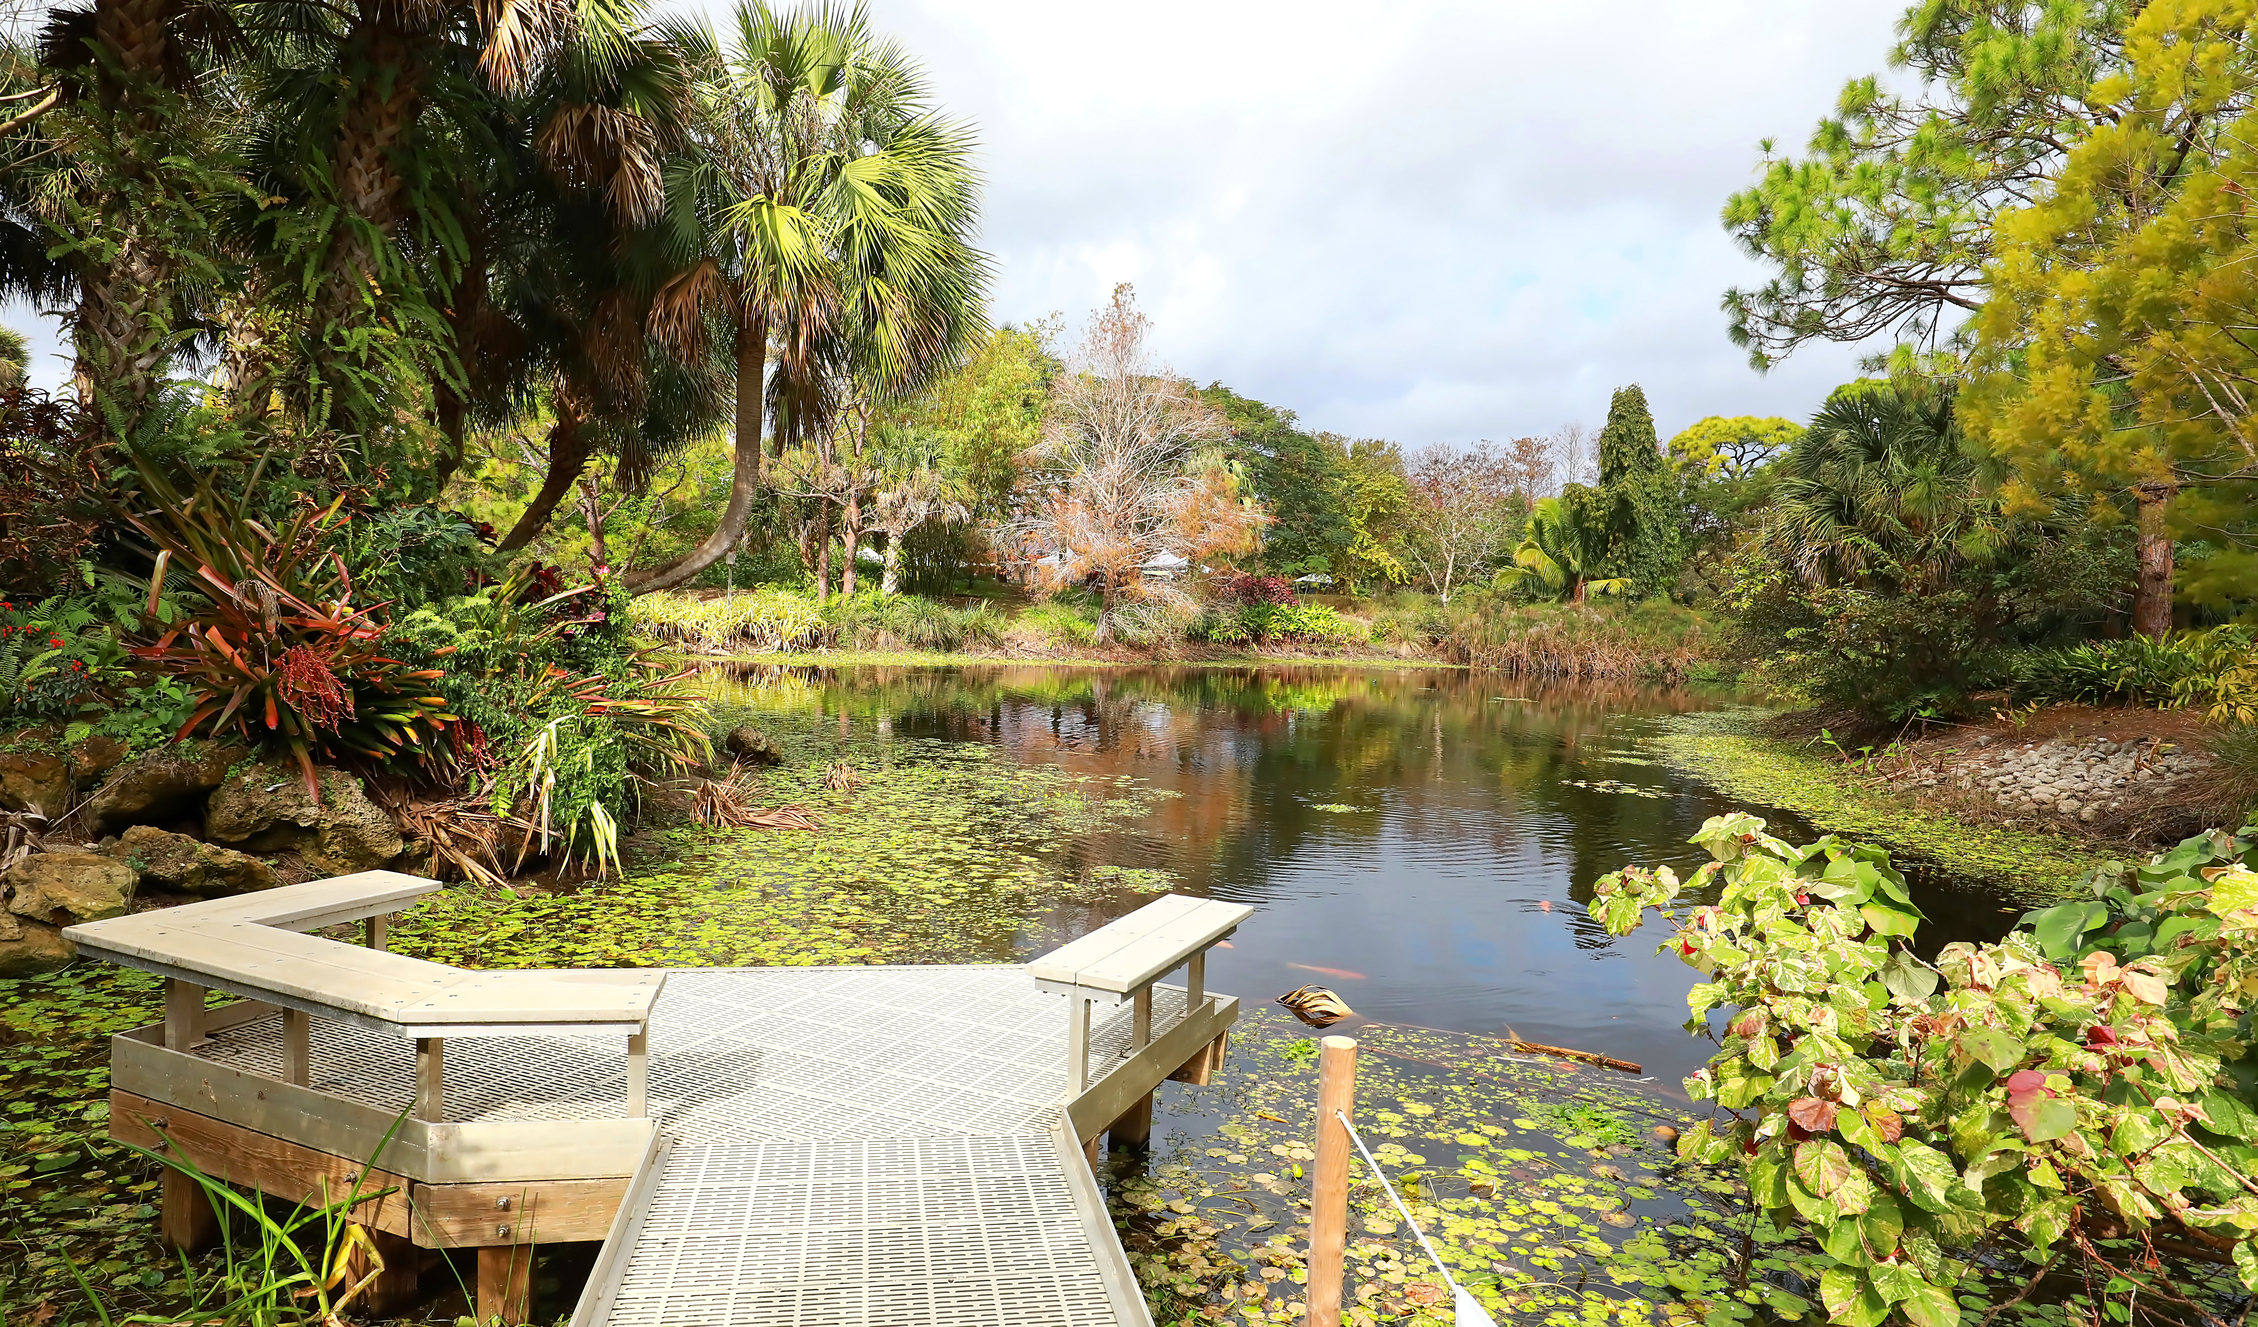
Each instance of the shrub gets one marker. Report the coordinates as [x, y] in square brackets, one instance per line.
[1060, 621]
[766, 620]
[57, 658]
[409, 556]
[2187, 666]
[278, 651]
[2086, 1078]
[1241, 587]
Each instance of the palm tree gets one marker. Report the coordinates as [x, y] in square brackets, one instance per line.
[826, 212]
[1558, 551]
[1880, 486]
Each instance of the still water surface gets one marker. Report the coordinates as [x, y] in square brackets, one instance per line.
[1423, 842]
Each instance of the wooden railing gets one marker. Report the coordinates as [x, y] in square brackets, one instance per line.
[255, 946]
[1122, 961]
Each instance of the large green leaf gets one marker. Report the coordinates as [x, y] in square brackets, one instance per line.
[1929, 1306]
[2060, 929]
[1908, 979]
[1994, 1048]
[1887, 920]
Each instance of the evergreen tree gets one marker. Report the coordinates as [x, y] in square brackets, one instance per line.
[1638, 498]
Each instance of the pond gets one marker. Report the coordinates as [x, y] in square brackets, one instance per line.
[1421, 841]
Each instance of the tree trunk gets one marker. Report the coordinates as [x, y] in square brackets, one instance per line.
[823, 553]
[453, 414]
[592, 510]
[892, 578]
[2152, 598]
[123, 323]
[568, 456]
[746, 478]
[850, 539]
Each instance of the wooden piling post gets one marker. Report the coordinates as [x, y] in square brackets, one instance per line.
[1329, 1186]
[297, 1047]
[395, 1287]
[186, 1220]
[505, 1284]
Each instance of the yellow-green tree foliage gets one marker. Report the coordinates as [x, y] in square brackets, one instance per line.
[1732, 448]
[2116, 349]
[984, 414]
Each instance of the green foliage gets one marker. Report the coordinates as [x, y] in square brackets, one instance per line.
[776, 620]
[407, 556]
[1653, 641]
[553, 708]
[2182, 668]
[1884, 226]
[278, 652]
[2080, 1078]
[1560, 551]
[58, 658]
[1062, 620]
[1301, 479]
[1886, 579]
[1639, 506]
[1736, 448]
[1253, 623]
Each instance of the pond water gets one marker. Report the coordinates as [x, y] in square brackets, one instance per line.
[1423, 842]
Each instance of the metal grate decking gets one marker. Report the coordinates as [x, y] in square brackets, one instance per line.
[876, 1146]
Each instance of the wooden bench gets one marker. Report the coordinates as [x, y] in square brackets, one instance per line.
[1122, 961]
[467, 1183]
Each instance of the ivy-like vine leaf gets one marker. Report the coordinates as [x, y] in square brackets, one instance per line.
[2061, 928]
[1908, 979]
[1813, 1114]
[1929, 1306]
[1992, 1047]
[1888, 920]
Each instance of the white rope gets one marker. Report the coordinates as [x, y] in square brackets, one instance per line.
[1382, 1176]
[1466, 1311]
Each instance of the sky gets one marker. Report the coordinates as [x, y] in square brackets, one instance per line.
[1431, 222]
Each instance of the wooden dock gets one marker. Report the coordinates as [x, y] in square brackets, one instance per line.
[877, 1145]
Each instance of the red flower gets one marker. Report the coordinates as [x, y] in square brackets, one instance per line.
[1686, 947]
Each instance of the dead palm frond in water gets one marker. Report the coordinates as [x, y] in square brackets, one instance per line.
[1316, 1006]
[22, 839]
[843, 777]
[726, 803]
[463, 831]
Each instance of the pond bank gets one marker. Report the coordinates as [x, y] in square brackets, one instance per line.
[1727, 750]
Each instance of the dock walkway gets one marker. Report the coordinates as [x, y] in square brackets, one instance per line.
[881, 1146]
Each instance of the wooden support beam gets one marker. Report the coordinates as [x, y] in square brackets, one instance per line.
[461, 1216]
[1195, 983]
[184, 1014]
[1199, 1071]
[377, 930]
[186, 1221]
[639, 1075]
[505, 1284]
[431, 1063]
[395, 1287]
[289, 1171]
[1134, 1130]
[1141, 1020]
[297, 1047]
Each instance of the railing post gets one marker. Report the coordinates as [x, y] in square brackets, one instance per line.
[1077, 1042]
[638, 1075]
[184, 1014]
[431, 1100]
[297, 1047]
[378, 929]
[1195, 983]
[1329, 1187]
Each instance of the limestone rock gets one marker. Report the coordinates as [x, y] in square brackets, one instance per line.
[267, 808]
[36, 781]
[179, 863]
[157, 786]
[28, 949]
[59, 888]
[96, 756]
[752, 746]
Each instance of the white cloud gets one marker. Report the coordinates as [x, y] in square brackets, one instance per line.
[1427, 221]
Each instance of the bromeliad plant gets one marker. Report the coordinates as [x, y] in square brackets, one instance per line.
[2078, 1091]
[278, 650]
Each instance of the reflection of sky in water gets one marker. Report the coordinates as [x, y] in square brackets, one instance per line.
[1408, 830]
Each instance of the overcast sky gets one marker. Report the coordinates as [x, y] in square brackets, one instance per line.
[1431, 222]
[1427, 221]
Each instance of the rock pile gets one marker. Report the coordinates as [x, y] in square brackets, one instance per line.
[176, 807]
[2079, 780]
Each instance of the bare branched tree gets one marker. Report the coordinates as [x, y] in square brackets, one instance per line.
[1127, 469]
[1465, 509]
[1575, 458]
[1532, 462]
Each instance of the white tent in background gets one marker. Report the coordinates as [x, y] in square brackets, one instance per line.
[1314, 578]
[1164, 565]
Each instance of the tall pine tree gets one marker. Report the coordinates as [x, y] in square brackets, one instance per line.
[1638, 492]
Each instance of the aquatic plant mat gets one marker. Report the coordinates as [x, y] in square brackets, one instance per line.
[1550, 1188]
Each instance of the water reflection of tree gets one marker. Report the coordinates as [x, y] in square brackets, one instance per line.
[1257, 751]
